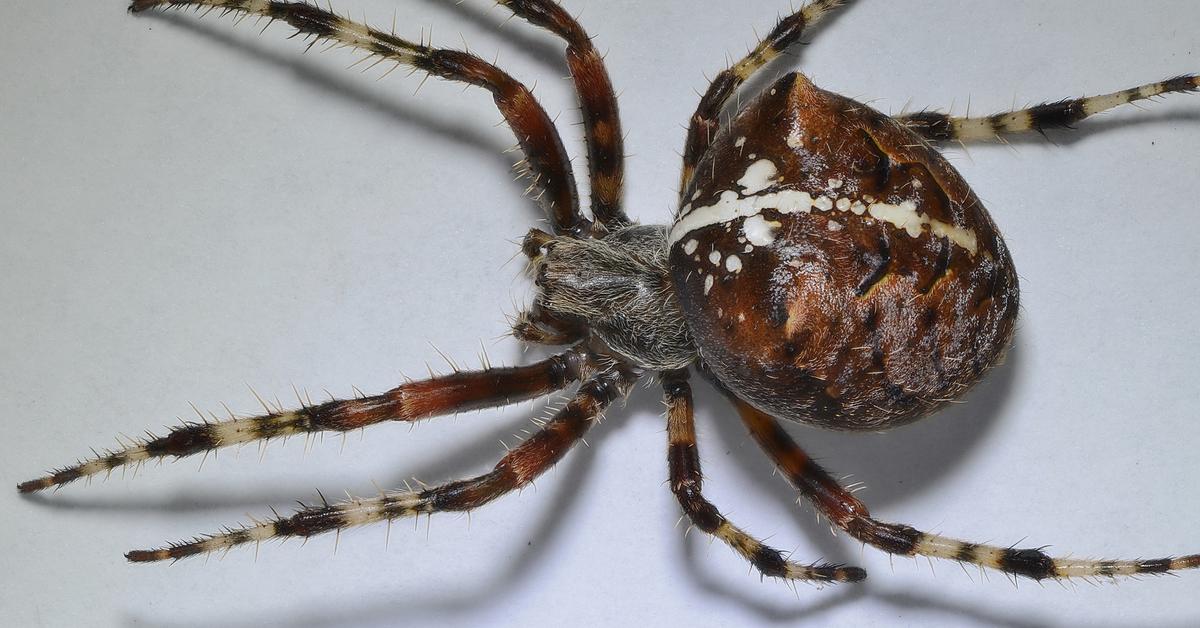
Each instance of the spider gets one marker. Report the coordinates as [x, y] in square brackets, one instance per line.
[826, 266]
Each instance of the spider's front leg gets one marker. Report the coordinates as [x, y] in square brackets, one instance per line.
[852, 516]
[687, 483]
[545, 158]
[601, 122]
[518, 468]
[941, 127]
[413, 401]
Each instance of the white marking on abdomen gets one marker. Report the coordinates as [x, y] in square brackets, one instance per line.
[730, 207]
[760, 231]
[761, 174]
[795, 139]
[905, 216]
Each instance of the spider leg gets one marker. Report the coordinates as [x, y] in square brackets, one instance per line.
[941, 127]
[538, 325]
[413, 401]
[849, 514]
[515, 470]
[546, 159]
[601, 121]
[686, 483]
[706, 121]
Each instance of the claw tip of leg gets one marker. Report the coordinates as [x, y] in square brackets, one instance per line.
[145, 556]
[31, 486]
[853, 574]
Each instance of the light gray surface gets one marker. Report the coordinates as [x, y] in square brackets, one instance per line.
[191, 207]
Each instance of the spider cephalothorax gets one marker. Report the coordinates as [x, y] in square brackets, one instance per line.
[826, 265]
[619, 288]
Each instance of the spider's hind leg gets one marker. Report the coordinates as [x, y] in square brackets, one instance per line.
[941, 127]
[687, 481]
[706, 121]
[518, 468]
[851, 515]
[413, 401]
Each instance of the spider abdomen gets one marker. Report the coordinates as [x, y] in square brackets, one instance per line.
[836, 270]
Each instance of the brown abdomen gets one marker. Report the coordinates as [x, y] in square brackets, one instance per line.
[834, 268]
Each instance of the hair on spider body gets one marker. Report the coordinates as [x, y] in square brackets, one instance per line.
[619, 287]
[827, 265]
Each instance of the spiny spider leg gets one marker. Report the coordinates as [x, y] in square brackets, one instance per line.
[849, 514]
[538, 326]
[686, 483]
[940, 127]
[413, 401]
[601, 121]
[706, 121]
[546, 158]
[519, 467]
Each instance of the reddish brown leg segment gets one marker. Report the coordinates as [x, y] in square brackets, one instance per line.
[601, 122]
[849, 514]
[458, 392]
[515, 470]
[687, 484]
[546, 159]
[706, 121]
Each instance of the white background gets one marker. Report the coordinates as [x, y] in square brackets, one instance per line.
[190, 207]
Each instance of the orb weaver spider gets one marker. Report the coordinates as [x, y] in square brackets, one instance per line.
[809, 227]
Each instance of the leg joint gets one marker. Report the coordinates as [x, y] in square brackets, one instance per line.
[889, 537]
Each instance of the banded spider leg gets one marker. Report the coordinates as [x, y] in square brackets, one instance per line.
[519, 467]
[687, 482]
[849, 514]
[554, 186]
[941, 127]
[546, 159]
[413, 401]
[601, 122]
[706, 121]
